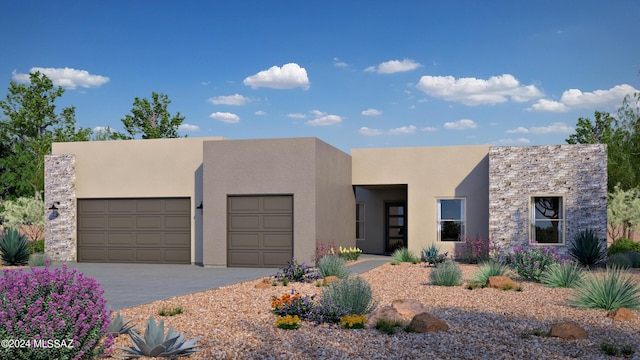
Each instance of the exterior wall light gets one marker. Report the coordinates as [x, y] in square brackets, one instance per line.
[54, 210]
[199, 206]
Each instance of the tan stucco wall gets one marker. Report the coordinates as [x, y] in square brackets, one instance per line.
[139, 168]
[303, 167]
[430, 173]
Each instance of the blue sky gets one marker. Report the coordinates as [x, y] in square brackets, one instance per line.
[353, 73]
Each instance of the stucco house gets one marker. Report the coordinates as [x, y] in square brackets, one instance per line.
[260, 202]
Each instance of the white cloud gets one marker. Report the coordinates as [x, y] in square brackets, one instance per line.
[394, 66]
[472, 91]
[429, 129]
[371, 112]
[100, 128]
[339, 63]
[65, 77]
[514, 141]
[289, 76]
[370, 132]
[188, 128]
[574, 98]
[462, 124]
[554, 128]
[518, 130]
[297, 116]
[323, 119]
[403, 130]
[260, 113]
[225, 117]
[236, 100]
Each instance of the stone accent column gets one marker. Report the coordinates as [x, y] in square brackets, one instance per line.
[60, 189]
[577, 172]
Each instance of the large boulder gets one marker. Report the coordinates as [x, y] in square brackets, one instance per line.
[425, 322]
[622, 314]
[408, 308]
[568, 330]
[385, 312]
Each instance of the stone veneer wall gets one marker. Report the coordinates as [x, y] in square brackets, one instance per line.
[577, 172]
[60, 186]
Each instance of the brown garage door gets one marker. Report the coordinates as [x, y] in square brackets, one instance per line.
[155, 230]
[260, 230]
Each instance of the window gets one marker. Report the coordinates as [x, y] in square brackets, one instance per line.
[359, 221]
[547, 219]
[451, 219]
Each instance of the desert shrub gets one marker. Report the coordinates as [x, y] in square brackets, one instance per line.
[292, 304]
[26, 213]
[324, 249]
[38, 259]
[332, 265]
[622, 245]
[432, 256]
[390, 327]
[295, 272]
[14, 248]
[350, 254]
[53, 304]
[487, 269]
[170, 311]
[565, 275]
[634, 257]
[36, 246]
[622, 260]
[404, 255]
[346, 297]
[531, 261]
[609, 290]
[446, 274]
[587, 249]
[472, 250]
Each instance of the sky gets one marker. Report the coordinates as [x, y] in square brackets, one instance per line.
[355, 74]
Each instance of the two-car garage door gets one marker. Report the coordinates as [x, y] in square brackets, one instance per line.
[151, 230]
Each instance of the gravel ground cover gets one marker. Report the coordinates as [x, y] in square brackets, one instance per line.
[235, 322]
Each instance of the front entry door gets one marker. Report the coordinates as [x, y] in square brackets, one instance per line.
[395, 226]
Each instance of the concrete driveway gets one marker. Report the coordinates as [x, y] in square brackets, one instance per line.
[128, 285]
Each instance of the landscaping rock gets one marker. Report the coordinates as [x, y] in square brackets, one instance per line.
[385, 312]
[568, 330]
[425, 322]
[502, 282]
[622, 314]
[408, 308]
[262, 285]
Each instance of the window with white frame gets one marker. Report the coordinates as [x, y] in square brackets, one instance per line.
[359, 221]
[451, 219]
[547, 219]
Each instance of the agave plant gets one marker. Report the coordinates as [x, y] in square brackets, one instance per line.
[156, 344]
[587, 249]
[15, 249]
[119, 326]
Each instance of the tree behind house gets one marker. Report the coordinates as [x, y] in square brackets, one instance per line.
[151, 119]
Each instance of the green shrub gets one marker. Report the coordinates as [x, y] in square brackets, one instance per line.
[622, 260]
[634, 256]
[331, 265]
[404, 255]
[390, 327]
[36, 246]
[14, 248]
[446, 274]
[349, 296]
[170, 311]
[38, 259]
[587, 249]
[567, 275]
[622, 245]
[608, 290]
[488, 269]
[431, 255]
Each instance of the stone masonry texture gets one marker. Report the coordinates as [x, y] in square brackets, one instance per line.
[516, 173]
[59, 186]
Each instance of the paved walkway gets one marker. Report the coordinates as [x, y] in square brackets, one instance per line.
[128, 285]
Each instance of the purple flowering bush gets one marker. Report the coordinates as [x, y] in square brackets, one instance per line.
[295, 272]
[61, 310]
[531, 261]
[472, 250]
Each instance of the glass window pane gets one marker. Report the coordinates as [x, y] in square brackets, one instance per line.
[396, 210]
[547, 207]
[396, 221]
[548, 232]
[451, 209]
[451, 230]
[396, 232]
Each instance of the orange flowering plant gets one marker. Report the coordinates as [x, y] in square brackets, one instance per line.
[292, 304]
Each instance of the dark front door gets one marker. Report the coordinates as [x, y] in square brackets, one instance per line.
[395, 226]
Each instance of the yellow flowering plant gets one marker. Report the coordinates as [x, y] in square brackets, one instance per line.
[353, 321]
[351, 253]
[288, 322]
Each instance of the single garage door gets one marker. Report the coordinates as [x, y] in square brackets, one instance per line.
[153, 230]
[260, 230]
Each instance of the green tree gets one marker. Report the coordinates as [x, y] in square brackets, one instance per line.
[29, 126]
[27, 214]
[151, 119]
[623, 212]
